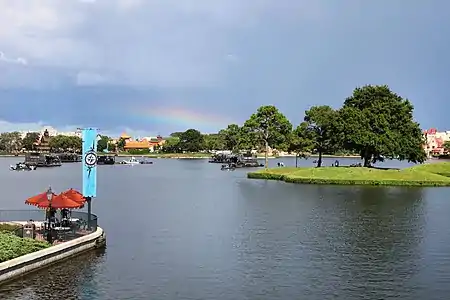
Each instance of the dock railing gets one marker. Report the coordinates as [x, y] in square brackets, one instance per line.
[77, 226]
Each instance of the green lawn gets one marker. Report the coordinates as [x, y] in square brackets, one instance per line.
[436, 174]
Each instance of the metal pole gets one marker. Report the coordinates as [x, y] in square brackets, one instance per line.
[89, 201]
[49, 231]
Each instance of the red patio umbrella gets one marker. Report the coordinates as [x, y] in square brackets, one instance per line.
[59, 202]
[35, 200]
[74, 195]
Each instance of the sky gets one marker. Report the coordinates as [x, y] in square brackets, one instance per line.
[158, 66]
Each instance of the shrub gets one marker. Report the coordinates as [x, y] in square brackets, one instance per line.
[12, 246]
[5, 227]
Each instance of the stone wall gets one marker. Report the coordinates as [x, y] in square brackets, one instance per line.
[27, 263]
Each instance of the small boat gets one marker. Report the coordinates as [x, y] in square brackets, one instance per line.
[131, 161]
[145, 162]
[22, 167]
[228, 167]
[106, 160]
[69, 157]
[42, 159]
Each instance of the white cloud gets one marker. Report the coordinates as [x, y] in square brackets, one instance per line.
[144, 43]
[6, 126]
[17, 60]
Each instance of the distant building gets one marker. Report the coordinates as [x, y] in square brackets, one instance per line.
[43, 142]
[52, 132]
[434, 141]
[146, 143]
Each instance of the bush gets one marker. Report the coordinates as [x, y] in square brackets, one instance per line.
[12, 246]
[4, 227]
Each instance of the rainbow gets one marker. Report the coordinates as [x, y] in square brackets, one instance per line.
[181, 118]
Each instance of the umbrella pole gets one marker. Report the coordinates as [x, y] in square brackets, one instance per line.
[88, 200]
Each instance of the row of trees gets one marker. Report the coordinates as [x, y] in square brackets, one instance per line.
[12, 142]
[373, 122]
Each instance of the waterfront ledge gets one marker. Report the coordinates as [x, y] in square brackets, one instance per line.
[30, 262]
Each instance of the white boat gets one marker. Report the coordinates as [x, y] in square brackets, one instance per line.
[131, 161]
[22, 167]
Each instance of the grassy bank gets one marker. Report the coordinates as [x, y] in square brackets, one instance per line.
[437, 174]
[12, 246]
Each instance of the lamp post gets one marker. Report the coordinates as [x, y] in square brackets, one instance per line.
[49, 231]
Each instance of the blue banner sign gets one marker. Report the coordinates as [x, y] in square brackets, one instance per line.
[89, 137]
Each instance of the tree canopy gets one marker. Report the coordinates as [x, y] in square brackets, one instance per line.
[30, 139]
[373, 122]
[376, 123]
[63, 143]
[270, 127]
[319, 128]
[231, 137]
[191, 140]
[10, 142]
[102, 143]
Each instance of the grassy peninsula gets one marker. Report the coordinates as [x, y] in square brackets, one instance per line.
[435, 174]
[12, 246]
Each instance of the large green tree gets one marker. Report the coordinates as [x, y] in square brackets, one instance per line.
[191, 141]
[232, 137]
[377, 123]
[171, 145]
[300, 142]
[176, 134]
[61, 143]
[319, 127]
[213, 141]
[29, 140]
[270, 127]
[121, 143]
[10, 142]
[102, 143]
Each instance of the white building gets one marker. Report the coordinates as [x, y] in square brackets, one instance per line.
[52, 132]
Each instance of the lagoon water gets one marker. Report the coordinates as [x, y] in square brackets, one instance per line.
[183, 229]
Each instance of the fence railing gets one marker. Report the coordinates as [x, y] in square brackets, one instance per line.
[78, 226]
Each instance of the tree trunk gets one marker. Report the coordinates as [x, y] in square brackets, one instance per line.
[296, 160]
[266, 165]
[319, 161]
[266, 141]
[367, 158]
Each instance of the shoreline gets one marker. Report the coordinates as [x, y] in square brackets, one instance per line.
[197, 156]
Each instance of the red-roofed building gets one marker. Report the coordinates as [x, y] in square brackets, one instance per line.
[147, 143]
[435, 141]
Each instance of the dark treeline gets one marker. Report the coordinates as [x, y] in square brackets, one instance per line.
[374, 123]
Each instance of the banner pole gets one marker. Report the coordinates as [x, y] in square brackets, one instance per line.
[89, 168]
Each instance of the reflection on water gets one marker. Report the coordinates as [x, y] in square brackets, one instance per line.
[74, 278]
[350, 241]
[195, 232]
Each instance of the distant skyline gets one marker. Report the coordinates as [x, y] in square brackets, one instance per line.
[155, 67]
